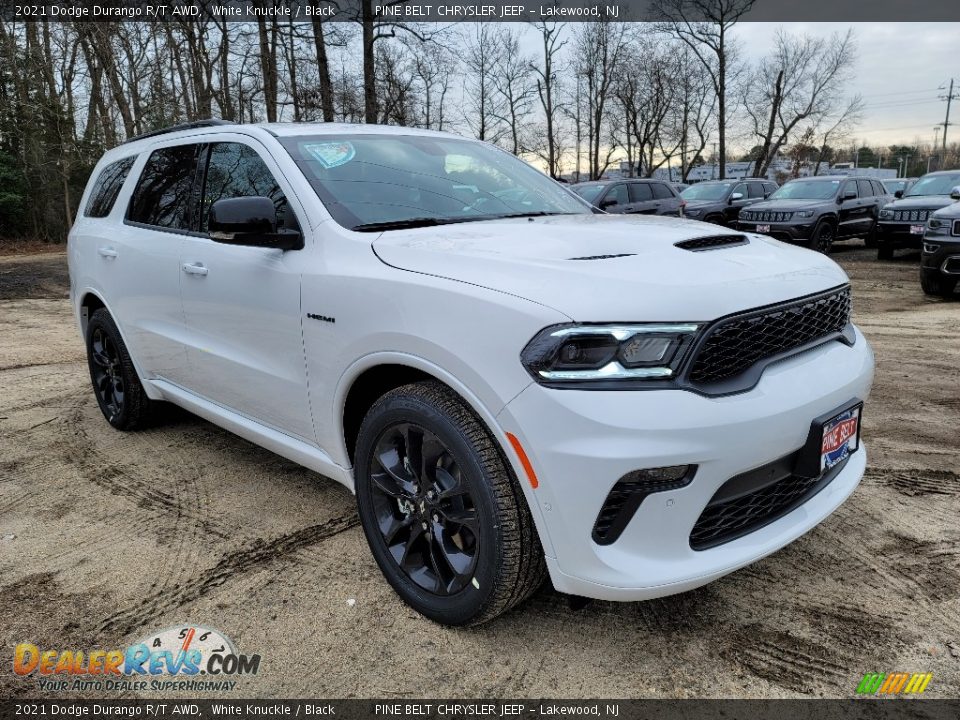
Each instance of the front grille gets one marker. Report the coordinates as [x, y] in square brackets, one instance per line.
[722, 522]
[911, 215]
[952, 266]
[734, 345]
[711, 243]
[625, 498]
[765, 216]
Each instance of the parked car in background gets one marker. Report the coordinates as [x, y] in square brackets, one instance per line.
[634, 196]
[720, 201]
[819, 210]
[680, 187]
[898, 185]
[940, 259]
[903, 222]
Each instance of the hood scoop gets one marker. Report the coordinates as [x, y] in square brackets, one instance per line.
[713, 242]
[602, 257]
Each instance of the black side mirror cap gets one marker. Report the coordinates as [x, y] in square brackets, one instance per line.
[250, 221]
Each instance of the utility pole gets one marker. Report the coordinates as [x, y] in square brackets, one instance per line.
[946, 121]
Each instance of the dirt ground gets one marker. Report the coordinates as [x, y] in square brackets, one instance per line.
[105, 537]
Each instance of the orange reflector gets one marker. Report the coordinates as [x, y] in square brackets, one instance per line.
[524, 460]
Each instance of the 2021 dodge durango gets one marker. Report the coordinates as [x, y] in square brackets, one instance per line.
[513, 385]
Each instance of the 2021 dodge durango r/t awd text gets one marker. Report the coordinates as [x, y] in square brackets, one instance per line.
[511, 384]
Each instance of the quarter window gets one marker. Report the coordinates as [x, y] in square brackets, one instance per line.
[661, 191]
[107, 188]
[236, 170]
[165, 191]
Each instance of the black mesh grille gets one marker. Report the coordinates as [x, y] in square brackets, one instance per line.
[911, 215]
[765, 215]
[624, 499]
[734, 345]
[722, 522]
[713, 242]
[956, 227]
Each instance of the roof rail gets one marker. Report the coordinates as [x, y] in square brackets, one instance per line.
[182, 126]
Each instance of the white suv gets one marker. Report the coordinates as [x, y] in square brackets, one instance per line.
[512, 383]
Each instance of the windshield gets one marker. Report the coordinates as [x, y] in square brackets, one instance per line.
[588, 192]
[407, 180]
[807, 190]
[707, 191]
[934, 185]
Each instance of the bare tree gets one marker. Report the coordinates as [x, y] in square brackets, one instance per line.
[599, 50]
[798, 83]
[704, 26]
[482, 103]
[547, 82]
[512, 81]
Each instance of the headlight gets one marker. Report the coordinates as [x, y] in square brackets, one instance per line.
[886, 214]
[937, 226]
[803, 213]
[592, 354]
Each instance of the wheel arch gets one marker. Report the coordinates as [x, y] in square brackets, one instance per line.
[382, 372]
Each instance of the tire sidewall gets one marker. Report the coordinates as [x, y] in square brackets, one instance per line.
[815, 237]
[468, 603]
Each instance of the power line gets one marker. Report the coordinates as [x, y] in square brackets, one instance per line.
[949, 97]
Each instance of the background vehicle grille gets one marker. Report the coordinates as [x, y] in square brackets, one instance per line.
[911, 215]
[734, 345]
[765, 216]
[726, 521]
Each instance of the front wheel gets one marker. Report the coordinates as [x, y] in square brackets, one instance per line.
[822, 237]
[444, 517]
[934, 284]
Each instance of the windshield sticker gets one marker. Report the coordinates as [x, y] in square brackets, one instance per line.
[331, 154]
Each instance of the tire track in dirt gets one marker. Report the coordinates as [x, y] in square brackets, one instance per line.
[258, 554]
[917, 482]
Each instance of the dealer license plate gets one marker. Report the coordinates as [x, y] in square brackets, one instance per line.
[763, 228]
[840, 437]
[916, 229]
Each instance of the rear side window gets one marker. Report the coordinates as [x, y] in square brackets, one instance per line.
[661, 191]
[107, 188]
[164, 194]
[866, 189]
[878, 188]
[235, 170]
[755, 190]
[640, 192]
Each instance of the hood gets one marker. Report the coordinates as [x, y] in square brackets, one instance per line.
[950, 211]
[920, 202]
[787, 205]
[608, 268]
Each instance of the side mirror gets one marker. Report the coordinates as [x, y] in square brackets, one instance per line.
[955, 193]
[736, 196]
[609, 202]
[849, 195]
[898, 194]
[766, 195]
[250, 221]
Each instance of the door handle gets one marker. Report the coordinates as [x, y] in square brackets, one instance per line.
[107, 252]
[194, 269]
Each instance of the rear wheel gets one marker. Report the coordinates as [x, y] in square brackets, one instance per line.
[116, 385]
[444, 517]
[935, 284]
[822, 237]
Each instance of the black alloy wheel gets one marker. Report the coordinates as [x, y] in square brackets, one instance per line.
[107, 373]
[443, 513]
[116, 385]
[822, 238]
[425, 512]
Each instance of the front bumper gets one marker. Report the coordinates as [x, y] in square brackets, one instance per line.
[898, 235]
[780, 231]
[945, 258]
[581, 442]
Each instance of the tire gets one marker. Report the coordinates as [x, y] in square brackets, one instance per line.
[885, 251]
[934, 284]
[455, 573]
[115, 382]
[822, 237]
[870, 241]
[715, 219]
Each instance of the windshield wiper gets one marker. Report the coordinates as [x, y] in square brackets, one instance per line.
[536, 213]
[416, 222]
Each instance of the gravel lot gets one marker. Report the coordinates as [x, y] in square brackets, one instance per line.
[105, 537]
